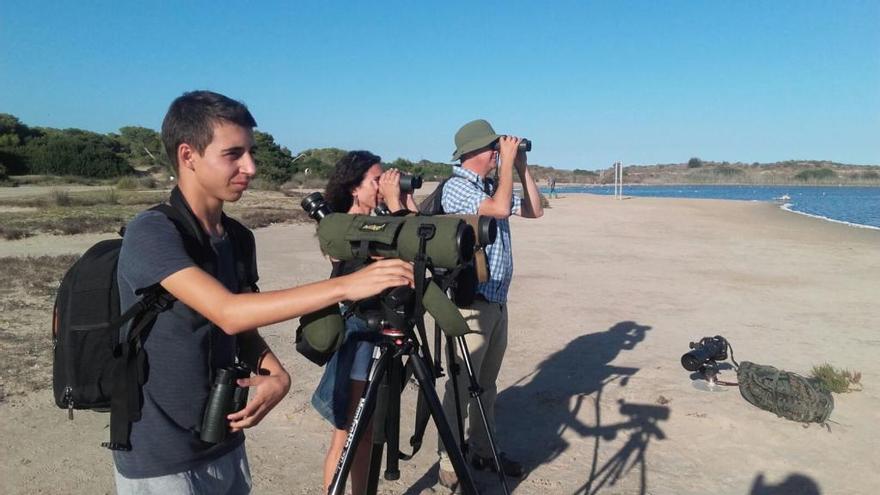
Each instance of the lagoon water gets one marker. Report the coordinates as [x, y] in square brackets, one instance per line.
[858, 206]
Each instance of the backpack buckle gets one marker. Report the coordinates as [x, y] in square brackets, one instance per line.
[164, 301]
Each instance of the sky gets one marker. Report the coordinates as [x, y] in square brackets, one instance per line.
[589, 83]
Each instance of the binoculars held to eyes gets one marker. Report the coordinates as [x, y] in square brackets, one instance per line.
[524, 145]
[409, 183]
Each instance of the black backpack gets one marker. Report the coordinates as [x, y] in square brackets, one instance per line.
[92, 369]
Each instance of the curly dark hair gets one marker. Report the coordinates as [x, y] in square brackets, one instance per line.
[347, 175]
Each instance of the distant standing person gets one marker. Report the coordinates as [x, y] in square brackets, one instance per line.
[469, 192]
[552, 183]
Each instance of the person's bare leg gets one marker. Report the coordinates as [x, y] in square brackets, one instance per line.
[361, 465]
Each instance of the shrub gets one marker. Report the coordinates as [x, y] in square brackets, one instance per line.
[301, 180]
[836, 380]
[61, 197]
[13, 233]
[127, 182]
[695, 163]
[728, 171]
[816, 174]
[76, 152]
[263, 184]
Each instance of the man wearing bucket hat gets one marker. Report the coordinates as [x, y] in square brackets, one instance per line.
[480, 150]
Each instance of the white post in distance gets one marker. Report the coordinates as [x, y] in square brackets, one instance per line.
[618, 180]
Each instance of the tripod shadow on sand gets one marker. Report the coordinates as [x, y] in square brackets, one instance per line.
[535, 416]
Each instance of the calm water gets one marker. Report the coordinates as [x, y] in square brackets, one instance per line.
[859, 206]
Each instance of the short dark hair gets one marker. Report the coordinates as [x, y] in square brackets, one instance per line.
[192, 116]
[348, 174]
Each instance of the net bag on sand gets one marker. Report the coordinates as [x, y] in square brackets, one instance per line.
[784, 393]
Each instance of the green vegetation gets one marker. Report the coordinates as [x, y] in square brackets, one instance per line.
[427, 169]
[837, 380]
[816, 174]
[275, 162]
[134, 159]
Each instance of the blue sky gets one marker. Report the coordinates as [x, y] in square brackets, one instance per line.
[589, 82]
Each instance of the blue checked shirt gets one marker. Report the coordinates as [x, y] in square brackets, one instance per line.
[462, 195]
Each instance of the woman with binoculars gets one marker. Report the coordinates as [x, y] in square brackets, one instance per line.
[358, 185]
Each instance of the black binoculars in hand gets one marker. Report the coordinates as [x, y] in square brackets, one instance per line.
[226, 398]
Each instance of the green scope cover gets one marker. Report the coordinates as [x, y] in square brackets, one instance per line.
[444, 311]
[341, 236]
[320, 334]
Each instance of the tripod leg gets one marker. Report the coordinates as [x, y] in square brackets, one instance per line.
[361, 419]
[375, 465]
[458, 463]
[454, 372]
[476, 391]
[393, 379]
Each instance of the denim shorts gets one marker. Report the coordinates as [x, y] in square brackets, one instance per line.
[351, 362]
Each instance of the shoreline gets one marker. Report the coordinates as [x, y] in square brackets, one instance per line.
[785, 206]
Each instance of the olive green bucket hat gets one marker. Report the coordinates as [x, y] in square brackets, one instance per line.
[473, 136]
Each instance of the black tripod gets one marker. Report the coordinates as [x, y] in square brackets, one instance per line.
[474, 389]
[400, 310]
[386, 374]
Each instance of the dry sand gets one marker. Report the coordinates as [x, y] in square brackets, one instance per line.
[606, 296]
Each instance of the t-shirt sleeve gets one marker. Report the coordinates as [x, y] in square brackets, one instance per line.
[459, 196]
[152, 250]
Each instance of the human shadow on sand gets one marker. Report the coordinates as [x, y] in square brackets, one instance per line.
[795, 484]
[534, 415]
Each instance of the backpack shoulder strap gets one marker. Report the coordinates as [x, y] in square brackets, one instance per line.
[129, 372]
[433, 204]
[245, 253]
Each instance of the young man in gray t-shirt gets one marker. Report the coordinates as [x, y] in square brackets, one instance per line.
[210, 140]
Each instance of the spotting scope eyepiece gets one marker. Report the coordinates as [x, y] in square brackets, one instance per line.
[316, 206]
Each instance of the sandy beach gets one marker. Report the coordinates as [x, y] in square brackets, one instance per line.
[592, 398]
